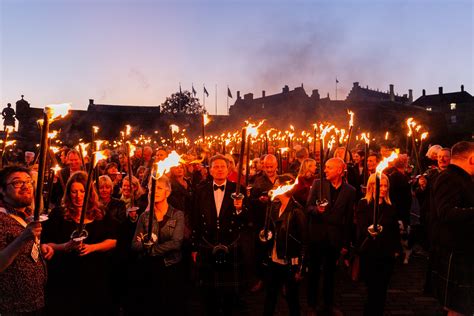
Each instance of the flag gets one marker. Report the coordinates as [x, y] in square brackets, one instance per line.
[205, 91]
[337, 81]
[193, 90]
[229, 94]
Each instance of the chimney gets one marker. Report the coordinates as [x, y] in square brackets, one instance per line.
[440, 90]
[424, 92]
[263, 93]
[248, 96]
[392, 94]
[238, 94]
[315, 94]
[91, 101]
[410, 95]
[462, 88]
[356, 84]
[285, 89]
[328, 96]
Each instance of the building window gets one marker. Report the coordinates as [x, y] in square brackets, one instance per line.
[453, 119]
[453, 106]
[428, 109]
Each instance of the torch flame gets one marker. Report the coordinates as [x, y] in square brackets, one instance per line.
[282, 189]
[98, 143]
[351, 121]
[284, 149]
[384, 163]
[95, 129]
[206, 119]
[54, 149]
[365, 137]
[252, 129]
[424, 135]
[53, 134]
[386, 135]
[9, 129]
[174, 129]
[56, 111]
[98, 156]
[56, 169]
[162, 167]
[128, 130]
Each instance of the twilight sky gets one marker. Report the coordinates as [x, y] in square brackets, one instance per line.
[137, 52]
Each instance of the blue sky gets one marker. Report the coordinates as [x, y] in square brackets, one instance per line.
[137, 52]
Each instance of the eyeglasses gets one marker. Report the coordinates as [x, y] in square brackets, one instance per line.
[20, 183]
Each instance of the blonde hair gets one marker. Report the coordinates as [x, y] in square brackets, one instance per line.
[370, 193]
[305, 167]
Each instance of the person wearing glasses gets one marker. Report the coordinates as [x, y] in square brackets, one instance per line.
[22, 258]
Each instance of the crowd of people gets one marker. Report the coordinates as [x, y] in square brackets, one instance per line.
[224, 233]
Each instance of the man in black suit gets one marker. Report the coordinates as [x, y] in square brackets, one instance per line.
[329, 230]
[217, 219]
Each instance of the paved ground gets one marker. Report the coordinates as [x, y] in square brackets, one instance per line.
[405, 295]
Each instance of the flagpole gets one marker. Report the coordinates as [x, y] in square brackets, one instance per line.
[227, 99]
[336, 88]
[216, 99]
[203, 97]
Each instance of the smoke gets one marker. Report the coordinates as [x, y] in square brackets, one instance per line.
[139, 77]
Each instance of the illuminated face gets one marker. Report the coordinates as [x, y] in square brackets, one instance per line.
[356, 158]
[126, 188]
[74, 161]
[162, 192]
[219, 170]
[19, 190]
[177, 171]
[147, 153]
[333, 170]
[63, 157]
[371, 163]
[312, 167]
[123, 160]
[444, 158]
[270, 167]
[112, 172]
[105, 192]
[383, 187]
[77, 194]
[161, 155]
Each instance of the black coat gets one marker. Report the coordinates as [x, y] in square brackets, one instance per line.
[400, 194]
[334, 224]
[115, 210]
[452, 203]
[387, 243]
[289, 231]
[206, 226]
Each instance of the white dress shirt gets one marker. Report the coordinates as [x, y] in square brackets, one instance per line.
[218, 196]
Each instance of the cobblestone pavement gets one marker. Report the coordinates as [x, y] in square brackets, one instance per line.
[405, 294]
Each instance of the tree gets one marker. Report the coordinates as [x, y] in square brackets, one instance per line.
[182, 103]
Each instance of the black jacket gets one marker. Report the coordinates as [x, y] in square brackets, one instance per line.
[289, 231]
[387, 243]
[452, 203]
[334, 224]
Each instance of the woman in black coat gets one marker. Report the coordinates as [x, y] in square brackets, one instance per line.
[377, 250]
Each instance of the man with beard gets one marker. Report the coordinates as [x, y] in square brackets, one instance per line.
[22, 266]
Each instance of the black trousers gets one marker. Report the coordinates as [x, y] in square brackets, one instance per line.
[278, 275]
[322, 260]
[376, 272]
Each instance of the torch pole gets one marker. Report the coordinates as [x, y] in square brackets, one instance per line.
[41, 164]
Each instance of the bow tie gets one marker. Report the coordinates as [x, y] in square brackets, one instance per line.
[219, 187]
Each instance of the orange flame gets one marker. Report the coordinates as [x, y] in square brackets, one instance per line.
[56, 111]
[128, 130]
[351, 121]
[53, 134]
[386, 135]
[384, 163]
[98, 156]
[162, 167]
[174, 129]
[98, 143]
[365, 137]
[424, 135]
[9, 129]
[282, 189]
[95, 129]
[56, 169]
[252, 129]
[206, 119]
